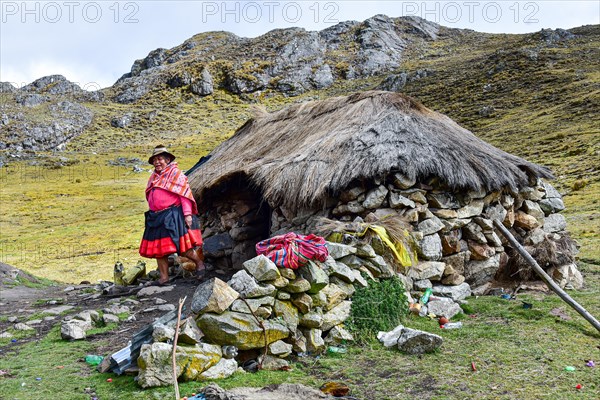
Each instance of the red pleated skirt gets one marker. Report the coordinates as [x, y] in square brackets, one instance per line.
[165, 233]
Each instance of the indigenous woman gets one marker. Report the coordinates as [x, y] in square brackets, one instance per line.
[171, 223]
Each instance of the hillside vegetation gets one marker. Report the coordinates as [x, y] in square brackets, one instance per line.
[70, 214]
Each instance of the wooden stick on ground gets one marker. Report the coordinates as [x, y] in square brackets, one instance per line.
[181, 302]
[545, 277]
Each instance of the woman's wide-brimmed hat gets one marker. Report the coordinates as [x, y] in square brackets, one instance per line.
[160, 149]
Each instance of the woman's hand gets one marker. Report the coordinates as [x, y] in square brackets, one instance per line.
[188, 221]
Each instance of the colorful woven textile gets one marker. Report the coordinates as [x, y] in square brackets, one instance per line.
[292, 250]
[166, 233]
[173, 180]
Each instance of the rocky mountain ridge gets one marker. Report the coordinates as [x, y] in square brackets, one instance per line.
[291, 61]
[451, 70]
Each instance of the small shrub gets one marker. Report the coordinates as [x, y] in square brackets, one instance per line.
[379, 307]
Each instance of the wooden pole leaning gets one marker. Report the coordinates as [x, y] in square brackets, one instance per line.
[545, 277]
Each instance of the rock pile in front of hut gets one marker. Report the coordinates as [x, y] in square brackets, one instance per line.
[265, 308]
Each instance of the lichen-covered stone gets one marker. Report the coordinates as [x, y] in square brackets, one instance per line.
[303, 302]
[287, 312]
[314, 340]
[298, 285]
[334, 296]
[312, 319]
[221, 370]
[242, 305]
[156, 368]
[240, 330]
[189, 332]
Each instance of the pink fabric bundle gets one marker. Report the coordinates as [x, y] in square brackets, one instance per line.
[292, 250]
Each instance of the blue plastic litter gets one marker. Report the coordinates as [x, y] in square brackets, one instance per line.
[199, 396]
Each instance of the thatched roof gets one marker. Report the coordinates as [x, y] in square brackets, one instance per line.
[299, 156]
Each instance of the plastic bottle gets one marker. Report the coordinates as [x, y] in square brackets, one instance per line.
[336, 350]
[452, 325]
[93, 359]
[425, 298]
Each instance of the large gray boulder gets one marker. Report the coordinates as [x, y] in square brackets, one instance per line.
[411, 341]
[240, 330]
[213, 295]
[479, 272]
[155, 363]
[443, 306]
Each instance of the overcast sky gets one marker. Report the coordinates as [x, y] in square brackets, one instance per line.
[93, 43]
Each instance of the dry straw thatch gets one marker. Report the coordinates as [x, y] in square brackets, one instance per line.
[303, 154]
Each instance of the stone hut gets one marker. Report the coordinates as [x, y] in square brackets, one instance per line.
[375, 154]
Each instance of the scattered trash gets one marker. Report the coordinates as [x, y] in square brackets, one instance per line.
[199, 396]
[452, 325]
[109, 380]
[93, 359]
[590, 363]
[13, 340]
[250, 366]
[38, 379]
[443, 321]
[415, 308]
[578, 386]
[506, 296]
[335, 389]
[527, 305]
[60, 367]
[336, 350]
[569, 368]
[229, 351]
[425, 298]
[473, 368]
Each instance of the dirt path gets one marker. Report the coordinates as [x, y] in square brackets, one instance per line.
[21, 304]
